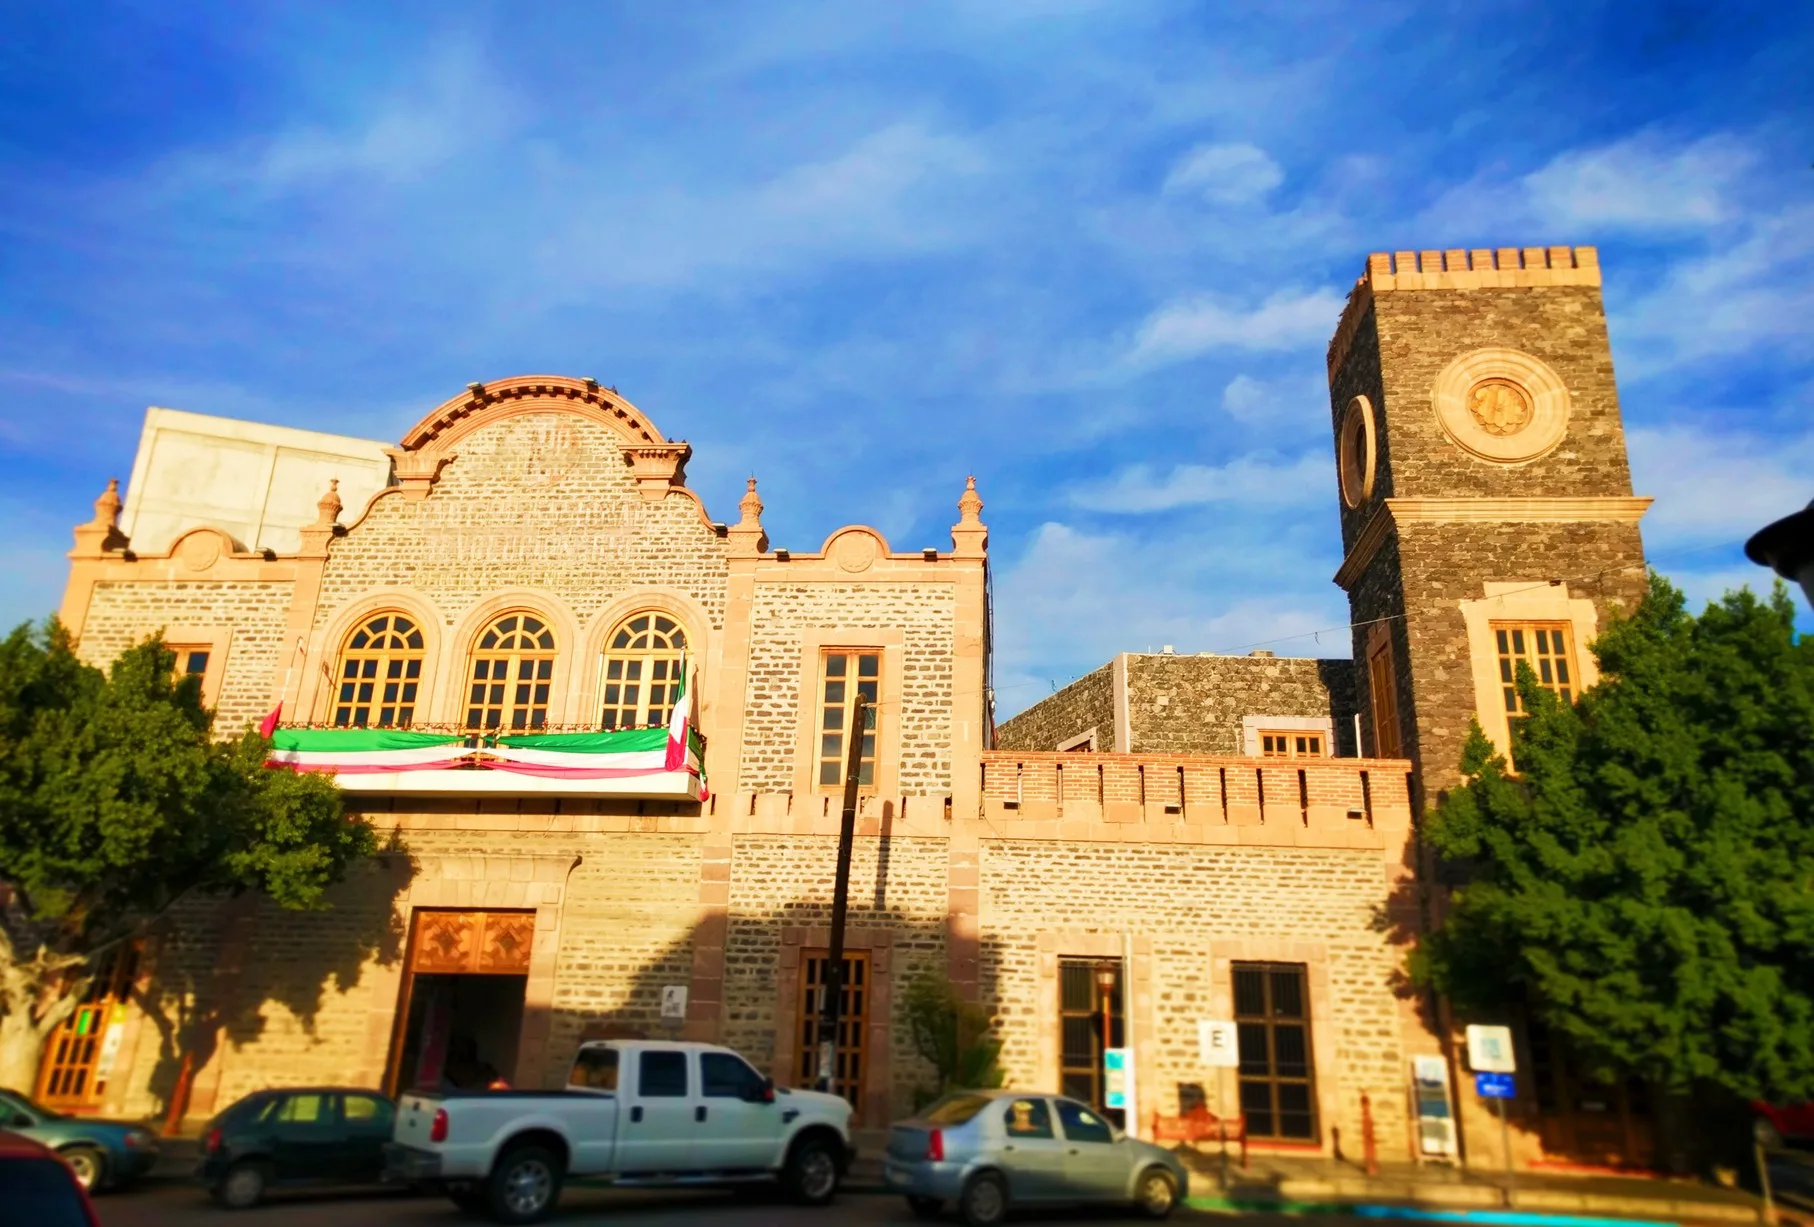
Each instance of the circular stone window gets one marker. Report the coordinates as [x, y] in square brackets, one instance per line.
[1359, 453]
[1501, 405]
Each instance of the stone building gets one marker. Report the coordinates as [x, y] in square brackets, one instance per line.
[1169, 841]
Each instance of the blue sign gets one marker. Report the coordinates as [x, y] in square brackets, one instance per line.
[1494, 1086]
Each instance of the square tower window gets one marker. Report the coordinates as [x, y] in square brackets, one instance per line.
[1544, 646]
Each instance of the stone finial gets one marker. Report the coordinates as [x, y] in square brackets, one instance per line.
[327, 511]
[969, 539]
[970, 503]
[101, 534]
[747, 535]
[107, 507]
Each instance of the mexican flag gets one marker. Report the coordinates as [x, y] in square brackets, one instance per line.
[606, 755]
[355, 751]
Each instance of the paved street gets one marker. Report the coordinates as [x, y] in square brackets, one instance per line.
[173, 1204]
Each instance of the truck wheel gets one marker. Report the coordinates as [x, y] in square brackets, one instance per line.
[812, 1172]
[984, 1201]
[525, 1184]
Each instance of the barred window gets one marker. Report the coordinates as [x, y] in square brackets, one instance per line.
[380, 671]
[512, 669]
[641, 672]
[1278, 1082]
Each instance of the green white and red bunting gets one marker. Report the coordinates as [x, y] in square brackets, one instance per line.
[355, 751]
[614, 755]
[621, 754]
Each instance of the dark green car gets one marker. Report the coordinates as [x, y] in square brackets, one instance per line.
[104, 1154]
[297, 1137]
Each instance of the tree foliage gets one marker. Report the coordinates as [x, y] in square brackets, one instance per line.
[952, 1034]
[116, 802]
[1642, 884]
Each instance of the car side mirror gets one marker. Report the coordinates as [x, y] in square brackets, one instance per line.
[762, 1094]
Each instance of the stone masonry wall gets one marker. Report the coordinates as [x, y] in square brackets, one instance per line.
[1195, 704]
[122, 614]
[1443, 564]
[540, 500]
[782, 881]
[1190, 901]
[1088, 702]
[925, 612]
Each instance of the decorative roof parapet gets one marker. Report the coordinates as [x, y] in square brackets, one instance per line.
[969, 536]
[747, 536]
[101, 534]
[659, 467]
[1478, 268]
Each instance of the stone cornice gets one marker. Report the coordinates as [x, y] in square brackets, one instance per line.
[1618, 509]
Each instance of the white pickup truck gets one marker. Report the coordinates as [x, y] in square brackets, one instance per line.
[641, 1112]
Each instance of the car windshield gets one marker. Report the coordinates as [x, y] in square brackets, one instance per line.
[955, 1109]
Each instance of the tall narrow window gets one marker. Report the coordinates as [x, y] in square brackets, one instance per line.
[846, 675]
[1089, 1021]
[512, 666]
[1383, 686]
[1542, 645]
[642, 667]
[380, 670]
[1272, 1015]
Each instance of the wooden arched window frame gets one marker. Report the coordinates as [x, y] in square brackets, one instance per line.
[640, 674]
[511, 675]
[380, 673]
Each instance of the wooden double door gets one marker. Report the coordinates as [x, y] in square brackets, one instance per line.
[80, 1056]
[460, 1013]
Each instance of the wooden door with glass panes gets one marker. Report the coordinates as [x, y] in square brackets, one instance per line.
[79, 1057]
[851, 1056]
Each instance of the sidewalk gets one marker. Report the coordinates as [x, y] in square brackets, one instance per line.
[1278, 1183]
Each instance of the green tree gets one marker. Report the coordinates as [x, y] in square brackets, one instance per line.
[952, 1034]
[116, 803]
[1642, 884]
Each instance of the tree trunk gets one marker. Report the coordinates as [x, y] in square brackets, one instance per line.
[21, 1052]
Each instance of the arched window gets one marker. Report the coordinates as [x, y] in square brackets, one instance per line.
[380, 668]
[511, 666]
[642, 671]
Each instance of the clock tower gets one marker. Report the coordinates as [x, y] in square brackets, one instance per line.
[1486, 504]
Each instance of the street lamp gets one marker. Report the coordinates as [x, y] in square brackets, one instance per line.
[1787, 547]
[1105, 981]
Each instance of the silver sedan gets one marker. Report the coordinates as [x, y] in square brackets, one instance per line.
[988, 1150]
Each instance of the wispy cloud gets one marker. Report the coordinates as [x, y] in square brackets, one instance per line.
[1198, 324]
[1714, 487]
[1294, 400]
[1225, 174]
[1259, 480]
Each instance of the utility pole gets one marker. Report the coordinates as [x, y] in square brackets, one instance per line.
[832, 983]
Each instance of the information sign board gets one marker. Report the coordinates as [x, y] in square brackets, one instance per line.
[1490, 1050]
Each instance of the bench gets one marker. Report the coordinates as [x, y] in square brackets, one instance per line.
[1198, 1124]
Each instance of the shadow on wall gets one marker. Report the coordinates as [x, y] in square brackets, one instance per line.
[221, 962]
[1339, 681]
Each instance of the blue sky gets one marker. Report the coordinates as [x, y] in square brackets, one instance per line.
[1090, 252]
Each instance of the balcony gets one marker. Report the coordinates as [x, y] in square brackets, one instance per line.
[453, 761]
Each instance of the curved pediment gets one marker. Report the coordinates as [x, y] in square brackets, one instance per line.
[484, 403]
